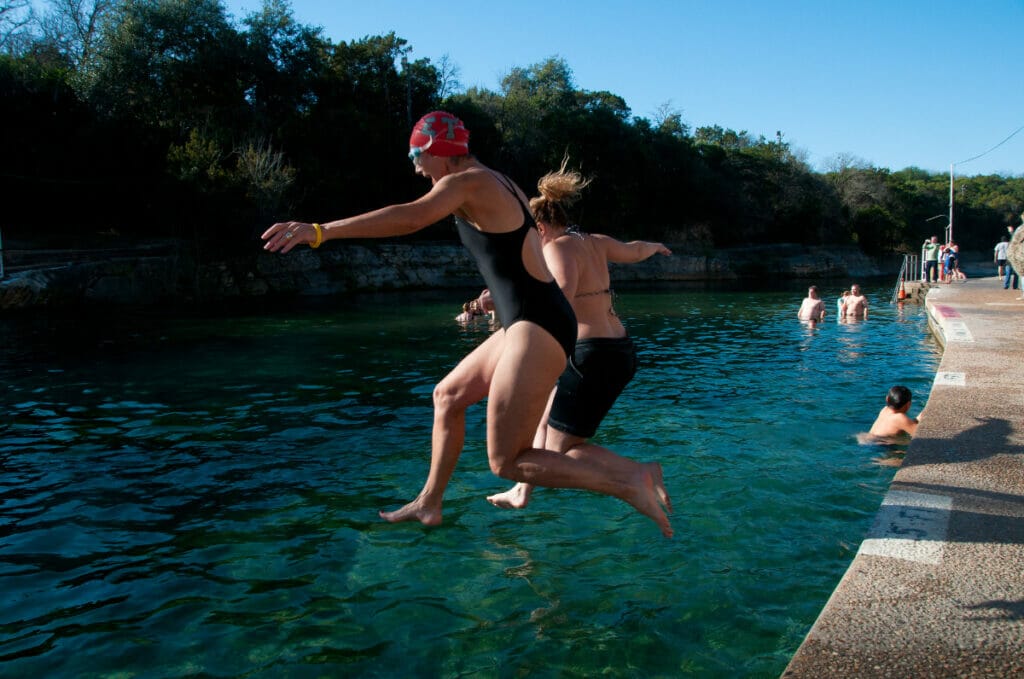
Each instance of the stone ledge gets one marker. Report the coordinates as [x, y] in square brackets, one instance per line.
[341, 267]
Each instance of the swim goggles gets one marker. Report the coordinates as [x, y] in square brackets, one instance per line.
[416, 151]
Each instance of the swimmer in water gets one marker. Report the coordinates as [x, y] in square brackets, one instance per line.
[892, 420]
[812, 308]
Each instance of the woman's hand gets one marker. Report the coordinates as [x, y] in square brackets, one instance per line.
[284, 236]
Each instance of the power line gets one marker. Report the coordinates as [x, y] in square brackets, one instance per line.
[993, 148]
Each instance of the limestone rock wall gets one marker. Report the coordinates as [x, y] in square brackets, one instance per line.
[354, 266]
[144, 280]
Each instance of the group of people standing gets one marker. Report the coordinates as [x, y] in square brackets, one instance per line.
[561, 355]
[941, 263]
[947, 255]
[852, 304]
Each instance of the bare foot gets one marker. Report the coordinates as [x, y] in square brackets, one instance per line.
[516, 497]
[646, 498]
[414, 511]
[659, 485]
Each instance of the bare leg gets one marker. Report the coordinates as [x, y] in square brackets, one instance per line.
[579, 448]
[465, 385]
[518, 496]
[616, 464]
[527, 369]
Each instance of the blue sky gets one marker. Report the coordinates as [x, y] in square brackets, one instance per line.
[896, 83]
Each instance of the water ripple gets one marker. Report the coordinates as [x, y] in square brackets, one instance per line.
[174, 503]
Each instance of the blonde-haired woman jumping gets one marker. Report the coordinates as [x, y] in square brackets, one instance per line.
[603, 360]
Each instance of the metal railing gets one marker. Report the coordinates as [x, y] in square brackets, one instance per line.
[908, 272]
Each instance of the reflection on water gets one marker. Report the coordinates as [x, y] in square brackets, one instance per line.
[198, 495]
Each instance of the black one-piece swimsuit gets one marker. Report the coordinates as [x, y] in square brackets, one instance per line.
[518, 296]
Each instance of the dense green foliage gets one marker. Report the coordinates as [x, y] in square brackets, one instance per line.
[164, 117]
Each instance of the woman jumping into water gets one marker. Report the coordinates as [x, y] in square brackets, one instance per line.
[604, 359]
[516, 367]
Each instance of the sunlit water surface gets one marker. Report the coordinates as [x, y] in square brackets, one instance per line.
[197, 494]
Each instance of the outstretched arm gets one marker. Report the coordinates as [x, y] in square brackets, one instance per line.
[446, 196]
[631, 252]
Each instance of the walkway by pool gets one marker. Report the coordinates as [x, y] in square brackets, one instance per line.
[937, 588]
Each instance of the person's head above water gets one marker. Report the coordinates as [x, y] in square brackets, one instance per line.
[439, 133]
[898, 398]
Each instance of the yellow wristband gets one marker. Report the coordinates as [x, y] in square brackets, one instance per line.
[319, 236]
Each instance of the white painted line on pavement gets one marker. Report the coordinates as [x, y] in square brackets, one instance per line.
[910, 526]
[950, 379]
[956, 331]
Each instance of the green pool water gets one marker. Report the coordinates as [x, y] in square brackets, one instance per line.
[196, 494]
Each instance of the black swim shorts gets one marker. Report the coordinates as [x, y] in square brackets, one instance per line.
[599, 369]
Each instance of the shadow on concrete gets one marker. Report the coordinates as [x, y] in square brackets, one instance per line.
[990, 437]
[1010, 610]
[1003, 525]
[920, 524]
[940, 489]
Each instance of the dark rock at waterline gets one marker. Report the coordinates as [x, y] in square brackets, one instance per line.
[175, 277]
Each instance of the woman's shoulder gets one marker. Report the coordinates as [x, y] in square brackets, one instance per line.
[566, 245]
[485, 181]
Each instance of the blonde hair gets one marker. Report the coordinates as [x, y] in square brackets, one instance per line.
[558, 190]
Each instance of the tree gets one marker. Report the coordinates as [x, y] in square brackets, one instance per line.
[285, 62]
[448, 77]
[168, 109]
[265, 175]
[73, 28]
[669, 121]
[727, 139]
[170, 64]
[15, 18]
[532, 102]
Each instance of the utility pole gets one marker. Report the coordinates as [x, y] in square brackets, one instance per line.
[949, 228]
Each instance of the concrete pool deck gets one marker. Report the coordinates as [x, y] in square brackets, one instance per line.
[937, 587]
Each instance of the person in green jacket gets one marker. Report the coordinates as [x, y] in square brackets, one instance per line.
[930, 250]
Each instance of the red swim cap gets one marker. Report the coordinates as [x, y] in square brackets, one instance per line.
[441, 133]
